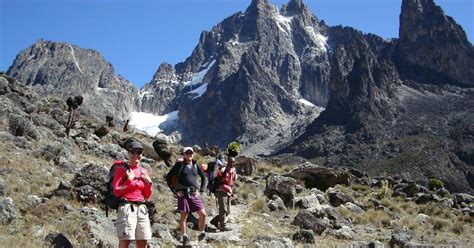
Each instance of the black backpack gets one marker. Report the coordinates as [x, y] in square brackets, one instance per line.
[111, 201]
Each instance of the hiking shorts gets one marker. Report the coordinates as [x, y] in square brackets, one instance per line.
[190, 203]
[133, 223]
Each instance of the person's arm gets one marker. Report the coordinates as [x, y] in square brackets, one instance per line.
[148, 190]
[121, 181]
[235, 174]
[170, 175]
[203, 178]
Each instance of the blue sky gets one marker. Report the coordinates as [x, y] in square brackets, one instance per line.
[135, 36]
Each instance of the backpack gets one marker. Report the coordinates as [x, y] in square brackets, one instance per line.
[214, 185]
[111, 201]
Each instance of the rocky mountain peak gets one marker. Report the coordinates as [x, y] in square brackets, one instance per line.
[61, 69]
[423, 19]
[165, 72]
[295, 7]
[257, 5]
[428, 39]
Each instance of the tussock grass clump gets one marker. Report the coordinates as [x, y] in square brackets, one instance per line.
[438, 223]
[392, 205]
[365, 189]
[376, 217]
[457, 227]
[246, 190]
[258, 206]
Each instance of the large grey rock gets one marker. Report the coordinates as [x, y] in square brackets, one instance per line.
[272, 241]
[7, 210]
[99, 230]
[320, 177]
[58, 240]
[284, 187]
[21, 126]
[306, 220]
[90, 181]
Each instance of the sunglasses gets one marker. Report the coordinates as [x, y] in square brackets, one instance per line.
[188, 153]
[136, 152]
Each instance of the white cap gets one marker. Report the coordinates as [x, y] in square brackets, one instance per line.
[219, 162]
[187, 148]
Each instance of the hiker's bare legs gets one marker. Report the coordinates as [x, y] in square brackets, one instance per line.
[182, 222]
[141, 243]
[124, 243]
[202, 219]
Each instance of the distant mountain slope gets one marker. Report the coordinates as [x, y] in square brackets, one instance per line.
[61, 69]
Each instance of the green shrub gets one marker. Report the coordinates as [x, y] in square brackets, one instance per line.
[384, 191]
[233, 149]
[434, 184]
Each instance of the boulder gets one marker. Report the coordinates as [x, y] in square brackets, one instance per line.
[304, 236]
[320, 177]
[284, 187]
[306, 220]
[58, 240]
[245, 165]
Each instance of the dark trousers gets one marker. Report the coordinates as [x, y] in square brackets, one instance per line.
[223, 201]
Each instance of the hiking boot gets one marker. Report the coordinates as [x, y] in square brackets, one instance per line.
[184, 238]
[201, 236]
[215, 222]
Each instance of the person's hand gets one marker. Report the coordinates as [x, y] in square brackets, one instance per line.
[180, 194]
[145, 178]
[130, 174]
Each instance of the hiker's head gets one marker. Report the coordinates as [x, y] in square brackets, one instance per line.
[188, 152]
[219, 162]
[231, 161]
[135, 149]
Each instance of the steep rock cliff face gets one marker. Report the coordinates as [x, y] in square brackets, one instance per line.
[256, 68]
[156, 96]
[396, 106]
[63, 70]
[433, 48]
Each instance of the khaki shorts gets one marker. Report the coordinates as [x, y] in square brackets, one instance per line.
[133, 225]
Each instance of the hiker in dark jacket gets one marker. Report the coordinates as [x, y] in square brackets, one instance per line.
[185, 187]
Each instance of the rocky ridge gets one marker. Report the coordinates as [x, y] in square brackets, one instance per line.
[62, 70]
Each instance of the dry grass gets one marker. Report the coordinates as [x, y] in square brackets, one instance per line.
[258, 206]
[361, 188]
[377, 218]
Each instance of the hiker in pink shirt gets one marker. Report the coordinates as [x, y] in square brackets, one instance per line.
[226, 176]
[133, 186]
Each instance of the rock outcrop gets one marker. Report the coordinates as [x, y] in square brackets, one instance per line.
[62, 70]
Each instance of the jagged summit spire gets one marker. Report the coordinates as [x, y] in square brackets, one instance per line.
[257, 6]
[424, 17]
[429, 39]
[258, 3]
[294, 7]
